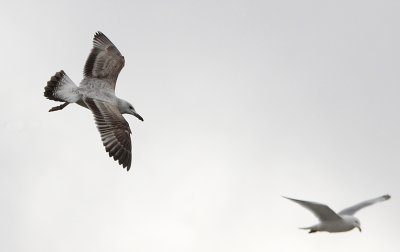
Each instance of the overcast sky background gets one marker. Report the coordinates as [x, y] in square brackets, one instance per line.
[243, 102]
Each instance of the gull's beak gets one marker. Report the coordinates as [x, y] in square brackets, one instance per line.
[137, 116]
[359, 228]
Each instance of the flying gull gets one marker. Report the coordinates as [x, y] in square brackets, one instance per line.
[336, 222]
[97, 93]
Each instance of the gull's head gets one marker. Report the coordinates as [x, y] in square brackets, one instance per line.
[127, 108]
[356, 223]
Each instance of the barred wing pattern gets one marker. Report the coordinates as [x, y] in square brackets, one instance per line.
[114, 130]
[104, 61]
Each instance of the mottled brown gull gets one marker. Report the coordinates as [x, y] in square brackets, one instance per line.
[97, 93]
[336, 222]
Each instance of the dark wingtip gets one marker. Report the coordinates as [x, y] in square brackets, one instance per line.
[100, 38]
[128, 163]
[288, 198]
[97, 34]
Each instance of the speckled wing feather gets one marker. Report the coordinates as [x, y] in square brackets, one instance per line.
[104, 61]
[114, 130]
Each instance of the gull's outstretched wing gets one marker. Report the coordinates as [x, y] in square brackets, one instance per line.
[104, 61]
[353, 209]
[114, 130]
[321, 211]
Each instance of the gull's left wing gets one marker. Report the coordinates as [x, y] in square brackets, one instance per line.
[353, 209]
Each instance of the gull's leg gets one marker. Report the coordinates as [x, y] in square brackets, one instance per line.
[59, 107]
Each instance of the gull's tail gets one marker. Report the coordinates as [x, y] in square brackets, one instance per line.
[61, 88]
[311, 229]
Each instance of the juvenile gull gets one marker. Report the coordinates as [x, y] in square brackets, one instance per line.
[336, 222]
[97, 93]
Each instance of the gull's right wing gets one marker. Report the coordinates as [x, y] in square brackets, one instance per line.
[321, 211]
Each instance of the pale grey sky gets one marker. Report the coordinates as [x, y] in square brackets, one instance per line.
[243, 101]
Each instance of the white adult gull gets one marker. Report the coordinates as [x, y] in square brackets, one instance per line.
[336, 222]
[97, 93]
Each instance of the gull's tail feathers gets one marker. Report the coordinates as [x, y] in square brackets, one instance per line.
[311, 229]
[61, 88]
